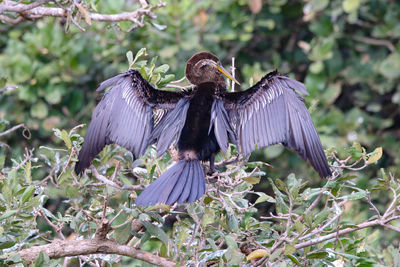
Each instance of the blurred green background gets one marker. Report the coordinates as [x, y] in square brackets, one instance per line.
[346, 52]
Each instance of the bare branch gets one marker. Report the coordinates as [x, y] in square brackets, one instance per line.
[377, 42]
[360, 226]
[180, 80]
[11, 20]
[28, 156]
[37, 10]
[109, 182]
[183, 88]
[70, 248]
[26, 133]
[57, 229]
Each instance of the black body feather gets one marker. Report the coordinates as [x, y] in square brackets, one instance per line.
[195, 134]
[201, 122]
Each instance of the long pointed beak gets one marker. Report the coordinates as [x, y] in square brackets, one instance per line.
[226, 73]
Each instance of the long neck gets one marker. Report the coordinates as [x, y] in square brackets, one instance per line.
[210, 87]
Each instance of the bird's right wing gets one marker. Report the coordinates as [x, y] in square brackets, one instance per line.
[124, 116]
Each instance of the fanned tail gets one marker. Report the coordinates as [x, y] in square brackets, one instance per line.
[182, 182]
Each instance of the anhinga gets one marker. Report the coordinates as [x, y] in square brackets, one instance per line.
[202, 121]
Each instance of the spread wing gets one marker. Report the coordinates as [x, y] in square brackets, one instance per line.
[124, 116]
[222, 125]
[273, 112]
[170, 126]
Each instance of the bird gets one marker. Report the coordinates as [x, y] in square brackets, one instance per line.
[200, 123]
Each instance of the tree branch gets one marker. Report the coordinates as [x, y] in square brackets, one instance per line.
[70, 248]
[109, 182]
[16, 127]
[360, 226]
[377, 42]
[36, 10]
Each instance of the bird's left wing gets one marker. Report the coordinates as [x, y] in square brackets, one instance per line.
[273, 112]
[124, 116]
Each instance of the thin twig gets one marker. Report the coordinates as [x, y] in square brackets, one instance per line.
[358, 227]
[109, 182]
[183, 88]
[16, 127]
[180, 80]
[56, 229]
[372, 41]
[233, 74]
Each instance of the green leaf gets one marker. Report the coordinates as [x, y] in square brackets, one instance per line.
[233, 256]
[350, 6]
[28, 172]
[289, 249]
[264, 197]
[151, 172]
[141, 52]
[8, 214]
[317, 255]
[209, 217]
[125, 180]
[356, 195]
[3, 82]
[231, 242]
[357, 147]
[39, 110]
[54, 96]
[182, 237]
[156, 232]
[277, 253]
[6, 244]
[167, 78]
[375, 155]
[299, 226]
[294, 259]
[252, 179]
[65, 137]
[390, 67]
[159, 27]
[258, 253]
[129, 56]
[6, 190]
[280, 185]
[317, 67]
[27, 194]
[233, 222]
[320, 217]
[42, 260]
[122, 234]
[162, 69]
[346, 178]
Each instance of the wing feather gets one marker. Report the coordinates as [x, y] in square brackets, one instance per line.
[124, 116]
[222, 125]
[170, 126]
[273, 112]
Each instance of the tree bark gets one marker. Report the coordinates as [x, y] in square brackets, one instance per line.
[68, 248]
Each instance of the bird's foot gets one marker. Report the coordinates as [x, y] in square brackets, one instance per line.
[211, 171]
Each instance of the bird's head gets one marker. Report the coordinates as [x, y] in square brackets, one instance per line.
[206, 67]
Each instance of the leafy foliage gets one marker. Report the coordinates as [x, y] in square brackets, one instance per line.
[344, 51]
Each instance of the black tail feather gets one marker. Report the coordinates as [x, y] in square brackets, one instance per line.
[183, 182]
